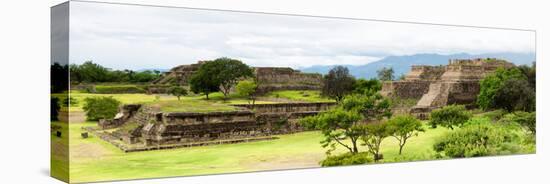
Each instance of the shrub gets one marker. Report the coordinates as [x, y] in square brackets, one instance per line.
[525, 119]
[479, 137]
[119, 89]
[347, 159]
[449, 116]
[100, 108]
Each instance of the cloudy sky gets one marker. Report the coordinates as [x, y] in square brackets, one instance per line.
[139, 37]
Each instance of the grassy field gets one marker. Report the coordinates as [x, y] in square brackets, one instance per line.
[300, 95]
[94, 159]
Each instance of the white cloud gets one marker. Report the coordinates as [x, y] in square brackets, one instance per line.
[135, 37]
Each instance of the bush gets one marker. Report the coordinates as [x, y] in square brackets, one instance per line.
[347, 159]
[97, 108]
[449, 116]
[480, 137]
[118, 89]
[525, 119]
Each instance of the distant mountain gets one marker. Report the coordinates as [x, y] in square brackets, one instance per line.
[402, 64]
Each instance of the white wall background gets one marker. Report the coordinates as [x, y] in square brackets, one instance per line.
[24, 88]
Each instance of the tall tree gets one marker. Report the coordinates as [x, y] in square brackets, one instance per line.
[338, 83]
[493, 82]
[515, 95]
[372, 107]
[403, 127]
[337, 126]
[385, 74]
[225, 72]
[367, 87]
[203, 82]
[374, 134]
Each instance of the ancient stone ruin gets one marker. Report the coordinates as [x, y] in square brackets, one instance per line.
[142, 127]
[269, 78]
[437, 86]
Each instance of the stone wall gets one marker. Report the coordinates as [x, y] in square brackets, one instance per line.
[269, 78]
[288, 107]
[456, 83]
[405, 89]
[152, 127]
[424, 72]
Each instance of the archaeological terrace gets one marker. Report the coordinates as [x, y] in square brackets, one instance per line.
[437, 86]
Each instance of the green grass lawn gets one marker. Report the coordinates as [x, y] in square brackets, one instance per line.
[94, 159]
[300, 95]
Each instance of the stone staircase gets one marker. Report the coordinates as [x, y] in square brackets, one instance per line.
[436, 97]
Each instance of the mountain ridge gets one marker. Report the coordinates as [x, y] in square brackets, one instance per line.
[402, 64]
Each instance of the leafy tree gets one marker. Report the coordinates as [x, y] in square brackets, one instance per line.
[225, 72]
[449, 116]
[337, 125]
[515, 95]
[247, 88]
[97, 108]
[177, 91]
[54, 108]
[203, 82]
[531, 74]
[374, 134]
[92, 72]
[338, 83]
[373, 108]
[479, 137]
[404, 127]
[367, 87]
[385, 74]
[492, 83]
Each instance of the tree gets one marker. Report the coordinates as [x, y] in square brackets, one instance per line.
[492, 83]
[54, 108]
[374, 134]
[404, 127]
[97, 108]
[338, 83]
[385, 74]
[449, 116]
[367, 87]
[515, 95]
[531, 74]
[203, 82]
[247, 88]
[337, 125]
[225, 72]
[373, 108]
[92, 72]
[177, 91]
